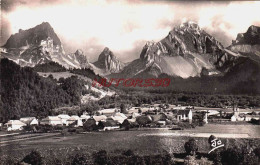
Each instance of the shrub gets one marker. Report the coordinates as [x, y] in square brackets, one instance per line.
[34, 158]
[128, 153]
[29, 128]
[79, 159]
[231, 157]
[257, 152]
[184, 125]
[204, 161]
[190, 160]
[158, 159]
[100, 157]
[72, 130]
[191, 147]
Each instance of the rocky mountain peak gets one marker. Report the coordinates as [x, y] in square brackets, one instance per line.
[104, 54]
[183, 52]
[33, 36]
[79, 52]
[251, 36]
[184, 39]
[108, 61]
[39, 45]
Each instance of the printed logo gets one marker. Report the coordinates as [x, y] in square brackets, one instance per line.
[215, 143]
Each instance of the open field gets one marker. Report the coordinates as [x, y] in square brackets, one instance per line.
[113, 141]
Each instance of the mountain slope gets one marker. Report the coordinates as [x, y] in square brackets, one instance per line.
[25, 93]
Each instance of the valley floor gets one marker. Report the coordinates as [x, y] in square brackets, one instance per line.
[137, 140]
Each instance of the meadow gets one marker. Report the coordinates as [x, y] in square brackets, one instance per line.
[116, 141]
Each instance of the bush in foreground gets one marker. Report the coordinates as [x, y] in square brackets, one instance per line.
[191, 147]
[33, 158]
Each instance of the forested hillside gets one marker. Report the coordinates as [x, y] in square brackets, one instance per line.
[25, 93]
[49, 67]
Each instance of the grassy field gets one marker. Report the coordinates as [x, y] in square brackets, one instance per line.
[116, 141]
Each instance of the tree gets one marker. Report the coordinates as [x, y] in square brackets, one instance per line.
[123, 108]
[126, 124]
[143, 120]
[90, 125]
[34, 158]
[191, 147]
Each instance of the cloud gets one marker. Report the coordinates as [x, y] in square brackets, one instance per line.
[225, 23]
[125, 26]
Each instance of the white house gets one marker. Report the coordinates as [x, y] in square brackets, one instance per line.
[99, 118]
[84, 117]
[250, 117]
[108, 125]
[75, 119]
[64, 118]
[108, 112]
[119, 117]
[29, 120]
[134, 115]
[236, 116]
[51, 120]
[184, 115]
[14, 125]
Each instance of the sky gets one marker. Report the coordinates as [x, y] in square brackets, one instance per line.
[125, 26]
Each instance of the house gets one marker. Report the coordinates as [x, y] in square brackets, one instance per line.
[2, 49]
[64, 118]
[108, 112]
[205, 118]
[99, 118]
[236, 116]
[108, 125]
[14, 125]
[51, 120]
[250, 117]
[159, 117]
[75, 120]
[184, 114]
[119, 117]
[161, 122]
[134, 115]
[84, 117]
[29, 120]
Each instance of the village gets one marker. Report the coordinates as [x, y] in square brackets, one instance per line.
[149, 116]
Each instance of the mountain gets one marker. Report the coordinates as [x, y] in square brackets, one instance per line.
[39, 45]
[108, 62]
[248, 43]
[182, 53]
